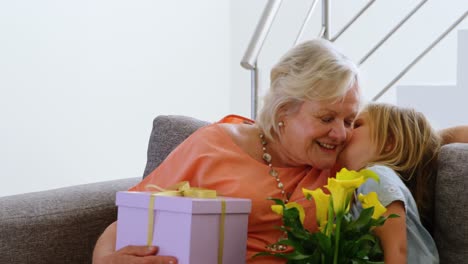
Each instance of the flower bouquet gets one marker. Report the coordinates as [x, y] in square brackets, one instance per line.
[341, 238]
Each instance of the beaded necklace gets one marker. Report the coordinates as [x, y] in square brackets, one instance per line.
[267, 158]
[274, 173]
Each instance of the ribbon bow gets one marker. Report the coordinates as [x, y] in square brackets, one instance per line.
[183, 189]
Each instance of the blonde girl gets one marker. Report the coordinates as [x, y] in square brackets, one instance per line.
[402, 147]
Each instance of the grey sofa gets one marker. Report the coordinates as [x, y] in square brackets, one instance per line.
[62, 225]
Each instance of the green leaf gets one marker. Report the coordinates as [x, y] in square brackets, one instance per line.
[393, 216]
[276, 200]
[364, 218]
[291, 220]
[324, 242]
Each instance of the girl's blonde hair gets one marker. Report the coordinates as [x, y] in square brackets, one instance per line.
[314, 71]
[409, 145]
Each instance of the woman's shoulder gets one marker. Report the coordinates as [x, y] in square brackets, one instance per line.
[245, 136]
[230, 125]
[231, 135]
[236, 119]
[228, 133]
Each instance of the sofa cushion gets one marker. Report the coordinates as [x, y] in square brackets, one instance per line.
[168, 132]
[450, 229]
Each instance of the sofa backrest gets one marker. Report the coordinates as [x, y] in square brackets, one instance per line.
[167, 133]
[450, 208]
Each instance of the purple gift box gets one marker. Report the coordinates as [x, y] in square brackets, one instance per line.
[186, 228]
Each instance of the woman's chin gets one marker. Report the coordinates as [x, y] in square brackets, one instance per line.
[355, 167]
[325, 164]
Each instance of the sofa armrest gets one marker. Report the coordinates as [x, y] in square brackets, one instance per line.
[57, 226]
[451, 197]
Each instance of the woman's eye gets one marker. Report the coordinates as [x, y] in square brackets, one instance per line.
[327, 119]
[356, 124]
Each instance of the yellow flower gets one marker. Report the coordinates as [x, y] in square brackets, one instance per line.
[279, 209]
[338, 194]
[343, 186]
[322, 201]
[370, 200]
[345, 174]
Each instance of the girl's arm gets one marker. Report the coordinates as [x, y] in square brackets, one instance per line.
[393, 234]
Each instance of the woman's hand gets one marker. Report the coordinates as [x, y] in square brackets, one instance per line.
[135, 255]
[104, 252]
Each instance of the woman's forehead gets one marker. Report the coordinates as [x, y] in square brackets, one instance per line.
[343, 107]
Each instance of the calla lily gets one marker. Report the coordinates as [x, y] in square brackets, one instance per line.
[371, 199]
[339, 195]
[279, 209]
[346, 175]
[322, 202]
[343, 186]
[333, 221]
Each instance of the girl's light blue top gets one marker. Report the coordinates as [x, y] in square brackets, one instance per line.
[421, 246]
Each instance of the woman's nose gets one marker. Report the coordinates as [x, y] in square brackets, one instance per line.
[340, 132]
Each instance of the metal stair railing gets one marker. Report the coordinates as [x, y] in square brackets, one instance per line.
[249, 61]
[420, 56]
[392, 31]
[306, 21]
[358, 14]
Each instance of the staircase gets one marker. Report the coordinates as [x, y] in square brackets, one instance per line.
[408, 95]
[443, 105]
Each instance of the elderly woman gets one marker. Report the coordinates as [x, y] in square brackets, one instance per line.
[304, 124]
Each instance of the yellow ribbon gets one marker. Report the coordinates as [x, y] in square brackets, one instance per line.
[221, 232]
[184, 189]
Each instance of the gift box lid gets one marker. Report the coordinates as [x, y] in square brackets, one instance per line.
[183, 204]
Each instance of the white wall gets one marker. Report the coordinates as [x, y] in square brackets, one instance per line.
[81, 81]
[442, 110]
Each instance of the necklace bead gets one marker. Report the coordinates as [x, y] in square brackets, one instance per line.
[274, 173]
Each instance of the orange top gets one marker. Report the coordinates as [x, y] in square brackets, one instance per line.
[209, 158]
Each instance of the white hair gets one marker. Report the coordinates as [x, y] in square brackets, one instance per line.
[312, 71]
